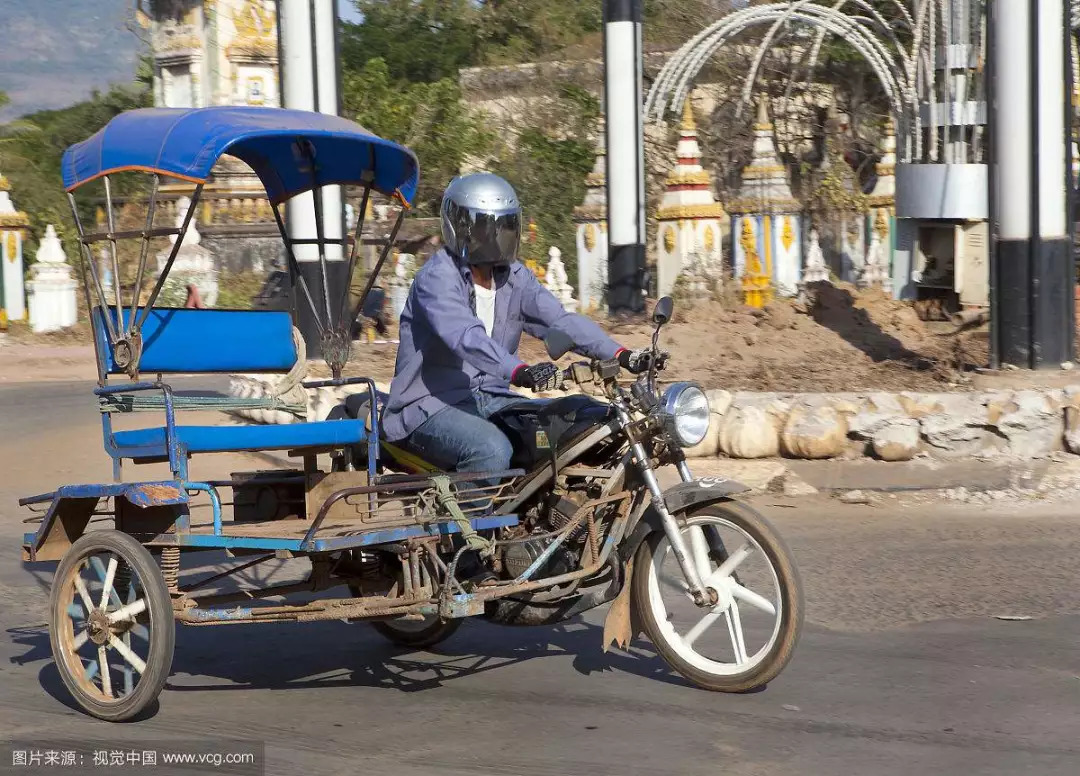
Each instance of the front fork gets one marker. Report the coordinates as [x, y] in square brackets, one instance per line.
[702, 595]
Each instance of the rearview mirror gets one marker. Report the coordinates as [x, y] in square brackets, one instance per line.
[662, 312]
[558, 344]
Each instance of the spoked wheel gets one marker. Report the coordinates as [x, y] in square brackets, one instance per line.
[111, 625]
[745, 639]
[418, 634]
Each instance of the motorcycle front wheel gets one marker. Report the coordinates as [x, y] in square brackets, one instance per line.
[747, 638]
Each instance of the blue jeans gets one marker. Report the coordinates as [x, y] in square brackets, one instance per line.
[461, 438]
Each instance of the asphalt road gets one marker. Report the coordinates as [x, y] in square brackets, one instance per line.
[904, 666]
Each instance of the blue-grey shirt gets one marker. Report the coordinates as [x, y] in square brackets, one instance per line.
[445, 355]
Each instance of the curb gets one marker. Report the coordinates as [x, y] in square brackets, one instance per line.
[794, 479]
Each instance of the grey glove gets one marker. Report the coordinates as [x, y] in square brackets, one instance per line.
[637, 361]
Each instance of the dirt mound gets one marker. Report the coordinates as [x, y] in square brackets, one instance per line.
[838, 339]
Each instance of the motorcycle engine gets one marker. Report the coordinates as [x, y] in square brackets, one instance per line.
[555, 513]
[517, 558]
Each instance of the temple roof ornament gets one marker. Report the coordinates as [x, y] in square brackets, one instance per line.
[51, 250]
[884, 193]
[835, 186]
[765, 186]
[688, 189]
[10, 218]
[255, 34]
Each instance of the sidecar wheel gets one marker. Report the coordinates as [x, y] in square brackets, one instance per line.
[760, 600]
[111, 625]
[418, 634]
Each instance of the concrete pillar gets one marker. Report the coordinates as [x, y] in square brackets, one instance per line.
[1032, 276]
[626, 154]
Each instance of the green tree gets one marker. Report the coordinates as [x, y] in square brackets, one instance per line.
[419, 40]
[429, 118]
[547, 166]
[30, 153]
[514, 31]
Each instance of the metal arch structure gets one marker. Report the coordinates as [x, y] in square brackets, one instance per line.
[677, 74]
[781, 22]
[901, 71]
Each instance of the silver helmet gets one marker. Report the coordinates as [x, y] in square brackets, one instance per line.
[481, 219]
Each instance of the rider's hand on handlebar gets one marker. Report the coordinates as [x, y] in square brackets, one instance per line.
[539, 377]
[637, 361]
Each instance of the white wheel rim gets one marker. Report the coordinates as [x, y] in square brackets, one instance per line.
[731, 594]
[110, 671]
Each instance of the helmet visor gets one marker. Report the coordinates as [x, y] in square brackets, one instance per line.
[492, 238]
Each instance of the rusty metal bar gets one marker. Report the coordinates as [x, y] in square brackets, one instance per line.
[127, 234]
[145, 250]
[230, 572]
[172, 257]
[406, 487]
[355, 250]
[294, 267]
[317, 203]
[115, 258]
[89, 263]
[378, 266]
[376, 607]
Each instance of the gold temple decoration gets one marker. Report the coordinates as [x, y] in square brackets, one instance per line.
[590, 237]
[669, 239]
[787, 234]
[710, 210]
[756, 284]
[710, 239]
[254, 31]
[688, 123]
[881, 226]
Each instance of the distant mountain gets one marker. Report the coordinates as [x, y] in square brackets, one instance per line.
[55, 52]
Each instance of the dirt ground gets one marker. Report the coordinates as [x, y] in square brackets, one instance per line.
[838, 339]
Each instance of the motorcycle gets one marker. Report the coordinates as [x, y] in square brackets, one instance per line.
[598, 526]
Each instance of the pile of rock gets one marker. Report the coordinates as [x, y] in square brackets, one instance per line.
[893, 427]
[887, 426]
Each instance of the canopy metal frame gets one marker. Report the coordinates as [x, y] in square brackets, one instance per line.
[333, 319]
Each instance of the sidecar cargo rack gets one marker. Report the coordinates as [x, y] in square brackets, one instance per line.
[346, 518]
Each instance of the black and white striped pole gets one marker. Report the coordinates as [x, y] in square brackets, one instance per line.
[308, 55]
[1032, 274]
[625, 137]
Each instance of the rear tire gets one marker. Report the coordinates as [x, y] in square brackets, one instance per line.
[758, 535]
[111, 625]
[415, 633]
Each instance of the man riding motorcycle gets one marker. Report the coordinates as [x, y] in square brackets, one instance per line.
[460, 331]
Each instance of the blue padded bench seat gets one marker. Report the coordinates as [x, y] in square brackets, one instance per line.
[150, 442]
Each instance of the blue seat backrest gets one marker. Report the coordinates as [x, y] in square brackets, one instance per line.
[207, 341]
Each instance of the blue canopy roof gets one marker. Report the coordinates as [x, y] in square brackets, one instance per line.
[186, 143]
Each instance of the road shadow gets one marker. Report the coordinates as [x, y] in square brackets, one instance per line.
[288, 657]
[340, 654]
[834, 308]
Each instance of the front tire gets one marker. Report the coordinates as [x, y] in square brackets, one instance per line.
[111, 625]
[767, 592]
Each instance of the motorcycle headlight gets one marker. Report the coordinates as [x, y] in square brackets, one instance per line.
[684, 410]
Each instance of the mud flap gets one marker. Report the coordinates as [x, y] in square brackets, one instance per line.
[620, 625]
